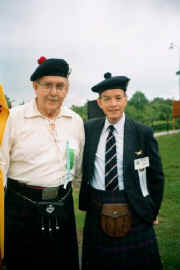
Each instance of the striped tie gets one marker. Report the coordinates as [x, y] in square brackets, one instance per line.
[111, 173]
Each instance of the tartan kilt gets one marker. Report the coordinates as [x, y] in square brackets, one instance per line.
[27, 247]
[137, 250]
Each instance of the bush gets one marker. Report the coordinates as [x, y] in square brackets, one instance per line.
[164, 125]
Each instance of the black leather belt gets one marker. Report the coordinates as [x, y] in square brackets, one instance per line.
[37, 193]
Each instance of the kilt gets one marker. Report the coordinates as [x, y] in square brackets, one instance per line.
[27, 247]
[137, 250]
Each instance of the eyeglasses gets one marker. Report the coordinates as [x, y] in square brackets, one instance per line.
[118, 98]
[49, 86]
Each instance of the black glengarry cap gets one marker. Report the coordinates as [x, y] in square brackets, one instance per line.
[51, 67]
[116, 82]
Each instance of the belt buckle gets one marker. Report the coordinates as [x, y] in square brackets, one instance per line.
[49, 193]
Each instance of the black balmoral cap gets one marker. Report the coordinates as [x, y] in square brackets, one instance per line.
[50, 67]
[116, 82]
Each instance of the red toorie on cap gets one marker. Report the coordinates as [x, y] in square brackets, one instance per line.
[41, 59]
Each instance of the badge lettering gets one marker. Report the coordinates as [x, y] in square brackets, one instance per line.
[141, 163]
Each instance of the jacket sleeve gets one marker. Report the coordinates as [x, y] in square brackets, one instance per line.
[155, 172]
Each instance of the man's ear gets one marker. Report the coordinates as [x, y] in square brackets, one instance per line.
[35, 85]
[99, 102]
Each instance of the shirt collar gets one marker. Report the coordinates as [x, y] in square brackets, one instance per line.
[32, 111]
[118, 126]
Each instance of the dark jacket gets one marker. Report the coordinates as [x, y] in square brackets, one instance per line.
[136, 137]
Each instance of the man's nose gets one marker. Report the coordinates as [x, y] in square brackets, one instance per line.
[113, 101]
[54, 90]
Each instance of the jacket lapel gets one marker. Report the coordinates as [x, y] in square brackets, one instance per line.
[94, 139]
[130, 146]
[96, 134]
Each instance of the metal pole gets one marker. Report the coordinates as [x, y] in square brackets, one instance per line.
[172, 46]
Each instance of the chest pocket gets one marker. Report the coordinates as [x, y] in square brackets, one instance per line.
[72, 151]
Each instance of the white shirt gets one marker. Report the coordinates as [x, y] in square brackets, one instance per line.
[98, 180]
[32, 154]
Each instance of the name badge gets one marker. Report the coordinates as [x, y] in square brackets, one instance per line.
[141, 163]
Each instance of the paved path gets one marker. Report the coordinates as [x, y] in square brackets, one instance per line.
[166, 132]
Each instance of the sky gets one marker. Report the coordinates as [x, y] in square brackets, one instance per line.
[123, 37]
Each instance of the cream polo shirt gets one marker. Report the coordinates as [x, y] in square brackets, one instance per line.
[32, 154]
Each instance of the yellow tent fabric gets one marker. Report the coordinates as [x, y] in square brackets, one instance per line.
[1, 216]
[4, 112]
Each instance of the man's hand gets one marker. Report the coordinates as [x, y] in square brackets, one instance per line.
[155, 222]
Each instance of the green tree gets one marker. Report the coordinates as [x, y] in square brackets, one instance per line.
[162, 108]
[138, 100]
[81, 110]
[9, 101]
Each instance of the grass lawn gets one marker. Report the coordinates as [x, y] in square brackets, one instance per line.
[168, 229]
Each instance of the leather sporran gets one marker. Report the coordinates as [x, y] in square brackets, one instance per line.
[115, 219]
[52, 209]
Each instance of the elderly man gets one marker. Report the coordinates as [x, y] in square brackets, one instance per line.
[42, 153]
[122, 186]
